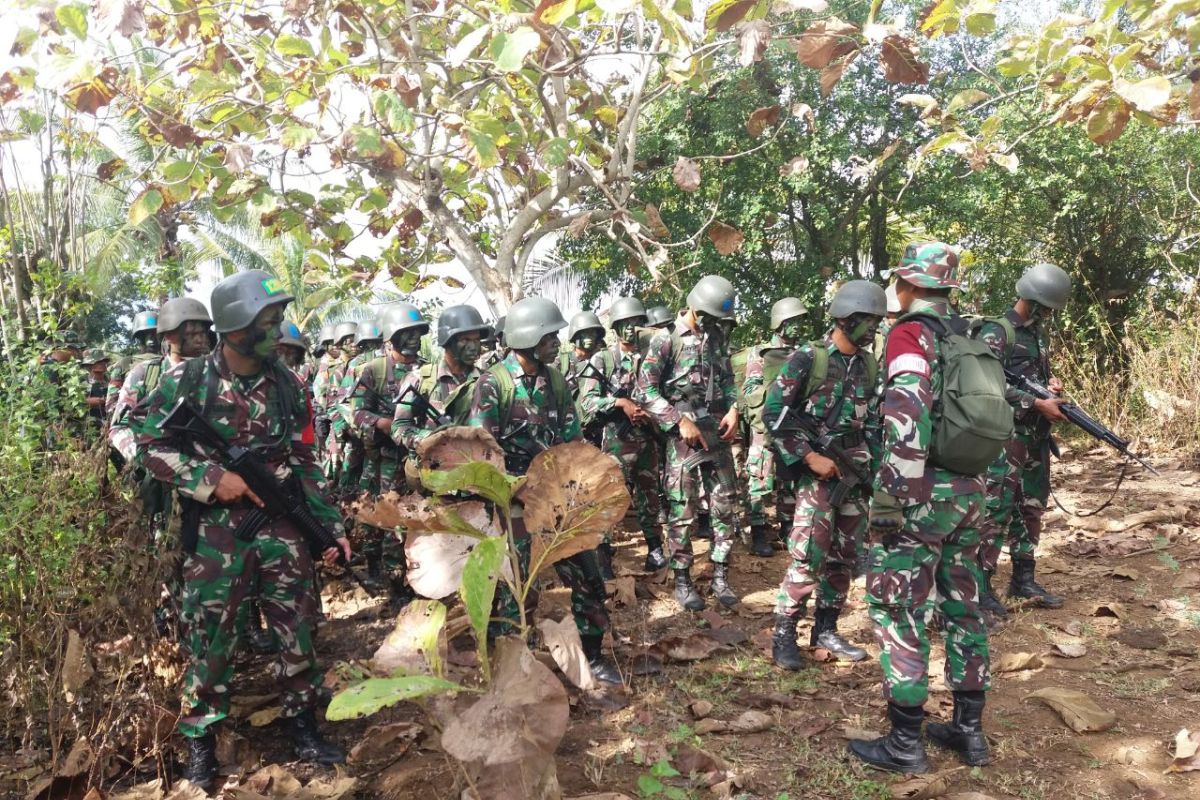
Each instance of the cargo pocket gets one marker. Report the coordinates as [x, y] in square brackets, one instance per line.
[889, 580]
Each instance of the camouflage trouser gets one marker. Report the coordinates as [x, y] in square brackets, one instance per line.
[683, 488]
[352, 459]
[217, 580]
[580, 573]
[823, 546]
[934, 554]
[331, 460]
[383, 471]
[640, 466]
[1018, 486]
[762, 483]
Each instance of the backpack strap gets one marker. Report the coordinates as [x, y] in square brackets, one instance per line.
[426, 385]
[871, 364]
[506, 391]
[819, 370]
[1010, 332]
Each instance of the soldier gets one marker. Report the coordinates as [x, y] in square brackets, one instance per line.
[331, 359]
[524, 403]
[293, 351]
[827, 386]
[660, 318]
[258, 404]
[495, 348]
[95, 361]
[145, 339]
[893, 313]
[371, 407]
[327, 387]
[928, 517]
[367, 346]
[585, 336]
[606, 394]
[1018, 484]
[324, 340]
[787, 327]
[686, 385]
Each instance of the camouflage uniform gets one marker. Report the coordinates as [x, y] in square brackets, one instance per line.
[533, 403]
[935, 550]
[824, 539]
[665, 381]
[763, 484]
[117, 374]
[353, 453]
[326, 394]
[222, 571]
[1018, 483]
[409, 428]
[133, 390]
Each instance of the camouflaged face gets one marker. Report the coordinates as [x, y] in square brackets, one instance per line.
[933, 265]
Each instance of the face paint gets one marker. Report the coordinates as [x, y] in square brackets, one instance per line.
[407, 343]
[860, 328]
[587, 342]
[193, 339]
[625, 329]
[547, 349]
[790, 332]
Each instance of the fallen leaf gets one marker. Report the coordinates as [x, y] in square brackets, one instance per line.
[767, 700]
[646, 664]
[1141, 638]
[624, 590]
[1015, 662]
[694, 647]
[690, 760]
[1078, 711]
[811, 727]
[686, 174]
[273, 780]
[76, 667]
[1189, 578]
[412, 646]
[1187, 752]
[241, 706]
[385, 741]
[1124, 573]
[1116, 610]
[728, 634]
[900, 61]
[921, 787]
[186, 790]
[967, 796]
[726, 238]
[713, 618]
[1131, 756]
[851, 732]
[1070, 649]
[143, 791]
[751, 721]
[566, 648]
[265, 716]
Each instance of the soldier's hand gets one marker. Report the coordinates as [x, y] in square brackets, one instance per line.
[728, 427]
[231, 488]
[1054, 385]
[635, 413]
[383, 424]
[886, 513]
[330, 556]
[1050, 408]
[824, 468]
[690, 433]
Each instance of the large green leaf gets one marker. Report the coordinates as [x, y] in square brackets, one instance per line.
[477, 477]
[73, 17]
[478, 590]
[390, 110]
[146, 204]
[373, 694]
[289, 45]
[297, 137]
[508, 50]
[556, 152]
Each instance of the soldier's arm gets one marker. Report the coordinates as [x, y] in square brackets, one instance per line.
[993, 336]
[116, 379]
[120, 437]
[593, 399]
[782, 394]
[572, 429]
[485, 406]
[656, 362]
[158, 452]
[304, 460]
[362, 418]
[907, 417]
[339, 406]
[405, 431]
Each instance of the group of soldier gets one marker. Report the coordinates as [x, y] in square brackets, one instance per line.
[841, 435]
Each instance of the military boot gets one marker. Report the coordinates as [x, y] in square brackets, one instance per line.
[965, 734]
[308, 743]
[604, 554]
[400, 594]
[901, 750]
[202, 764]
[1023, 586]
[685, 591]
[655, 558]
[758, 541]
[825, 634]
[720, 586]
[603, 670]
[784, 650]
[989, 603]
[373, 553]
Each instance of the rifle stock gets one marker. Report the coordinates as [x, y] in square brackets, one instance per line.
[852, 474]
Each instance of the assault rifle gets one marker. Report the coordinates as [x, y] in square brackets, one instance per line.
[1078, 416]
[611, 389]
[280, 500]
[852, 474]
[716, 451]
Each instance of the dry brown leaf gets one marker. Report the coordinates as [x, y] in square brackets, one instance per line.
[1070, 649]
[751, 721]
[655, 222]
[921, 787]
[1116, 610]
[1141, 638]
[968, 796]
[1015, 662]
[1187, 752]
[851, 732]
[1194, 100]
[1102, 525]
[700, 708]
[726, 238]
[1124, 573]
[759, 120]
[566, 648]
[273, 780]
[825, 40]
[143, 791]
[695, 647]
[1078, 711]
[900, 62]
[120, 16]
[436, 559]
[385, 741]
[1188, 579]
[455, 446]
[686, 174]
[336, 788]
[690, 760]
[237, 157]
[413, 644]
[833, 73]
[753, 38]
[241, 706]
[265, 716]
[625, 591]
[76, 667]
[579, 224]
[186, 790]
[809, 728]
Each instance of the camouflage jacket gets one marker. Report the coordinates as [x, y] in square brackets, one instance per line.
[116, 377]
[667, 380]
[912, 385]
[534, 422]
[133, 391]
[598, 398]
[842, 405]
[327, 386]
[753, 378]
[338, 395]
[1028, 355]
[407, 427]
[367, 403]
[571, 366]
[248, 412]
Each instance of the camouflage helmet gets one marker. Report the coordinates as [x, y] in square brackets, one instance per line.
[289, 334]
[858, 297]
[659, 316]
[459, 319]
[144, 322]
[400, 317]
[238, 300]
[69, 340]
[584, 321]
[180, 310]
[368, 331]
[531, 319]
[325, 337]
[930, 264]
[93, 355]
[1046, 285]
[788, 308]
[348, 328]
[624, 308]
[893, 300]
[712, 295]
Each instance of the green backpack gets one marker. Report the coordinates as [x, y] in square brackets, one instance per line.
[972, 420]
[751, 404]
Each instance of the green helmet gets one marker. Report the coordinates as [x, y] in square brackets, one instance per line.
[93, 355]
[343, 329]
[180, 310]
[529, 320]
[584, 321]
[459, 319]
[624, 308]
[712, 295]
[933, 265]
[1046, 285]
[145, 322]
[326, 335]
[289, 334]
[368, 331]
[659, 317]
[786, 310]
[238, 300]
[858, 297]
[401, 317]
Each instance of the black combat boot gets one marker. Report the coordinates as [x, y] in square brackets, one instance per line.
[603, 670]
[965, 734]
[655, 558]
[202, 761]
[1023, 586]
[720, 586]
[259, 636]
[685, 592]
[703, 526]
[825, 634]
[373, 554]
[901, 750]
[604, 554]
[784, 651]
[308, 743]
[400, 594]
[989, 603]
[758, 541]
